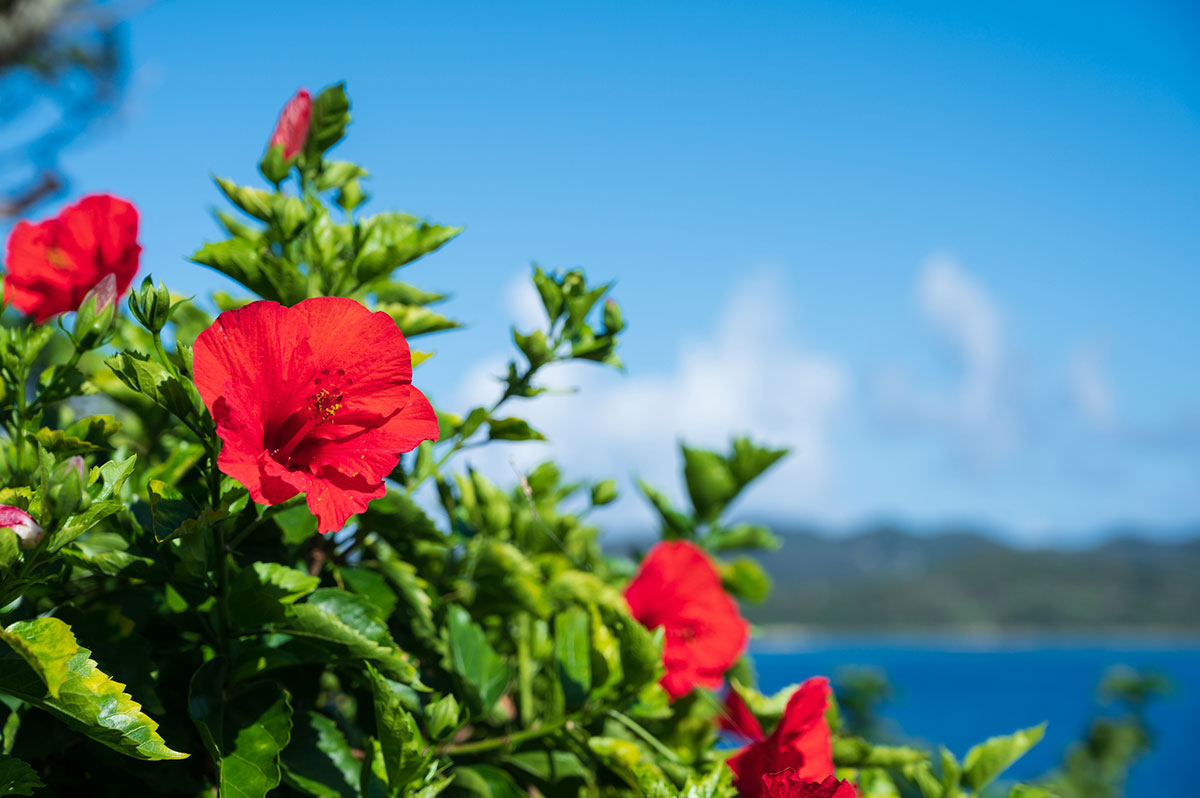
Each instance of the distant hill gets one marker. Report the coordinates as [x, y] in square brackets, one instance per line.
[891, 579]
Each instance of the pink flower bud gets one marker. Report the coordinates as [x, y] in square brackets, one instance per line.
[22, 523]
[76, 463]
[292, 128]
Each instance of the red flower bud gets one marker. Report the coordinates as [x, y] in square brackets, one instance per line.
[22, 523]
[292, 128]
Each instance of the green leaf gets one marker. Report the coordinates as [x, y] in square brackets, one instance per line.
[90, 702]
[951, 772]
[112, 562]
[710, 482]
[352, 627]
[255, 268]
[89, 434]
[10, 549]
[989, 759]
[405, 294]
[487, 781]
[749, 460]
[244, 734]
[1030, 791]
[288, 213]
[319, 761]
[745, 578]
[718, 783]
[472, 657]
[335, 174]
[262, 593]
[604, 492]
[855, 752]
[397, 730]
[675, 523]
[253, 201]
[153, 381]
[75, 525]
[507, 578]
[414, 320]
[48, 645]
[573, 653]
[16, 777]
[550, 292]
[392, 240]
[113, 474]
[630, 761]
[741, 536]
[414, 591]
[172, 516]
[327, 126]
[641, 650]
[371, 584]
[512, 429]
[767, 709]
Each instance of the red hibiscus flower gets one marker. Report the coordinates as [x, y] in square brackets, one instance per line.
[314, 399]
[787, 784]
[677, 587]
[292, 128]
[737, 719]
[800, 741]
[52, 265]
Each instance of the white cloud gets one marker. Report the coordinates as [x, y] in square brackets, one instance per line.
[748, 376]
[977, 412]
[1090, 387]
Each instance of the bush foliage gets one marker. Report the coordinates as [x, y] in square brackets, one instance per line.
[460, 637]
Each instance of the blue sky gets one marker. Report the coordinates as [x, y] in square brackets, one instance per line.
[947, 251]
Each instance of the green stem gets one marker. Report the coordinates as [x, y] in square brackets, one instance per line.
[524, 667]
[646, 736]
[491, 744]
[222, 567]
[162, 355]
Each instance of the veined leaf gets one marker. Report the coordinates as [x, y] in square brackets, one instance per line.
[573, 652]
[262, 592]
[48, 645]
[16, 777]
[399, 736]
[152, 380]
[90, 702]
[319, 761]
[244, 734]
[472, 657]
[351, 626]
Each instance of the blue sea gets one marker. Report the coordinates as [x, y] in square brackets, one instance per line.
[958, 691]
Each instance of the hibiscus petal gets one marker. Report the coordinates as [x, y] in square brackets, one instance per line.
[801, 741]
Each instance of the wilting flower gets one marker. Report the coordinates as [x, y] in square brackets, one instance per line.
[314, 399]
[737, 719]
[22, 523]
[51, 265]
[787, 784]
[677, 587]
[800, 742]
[292, 128]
